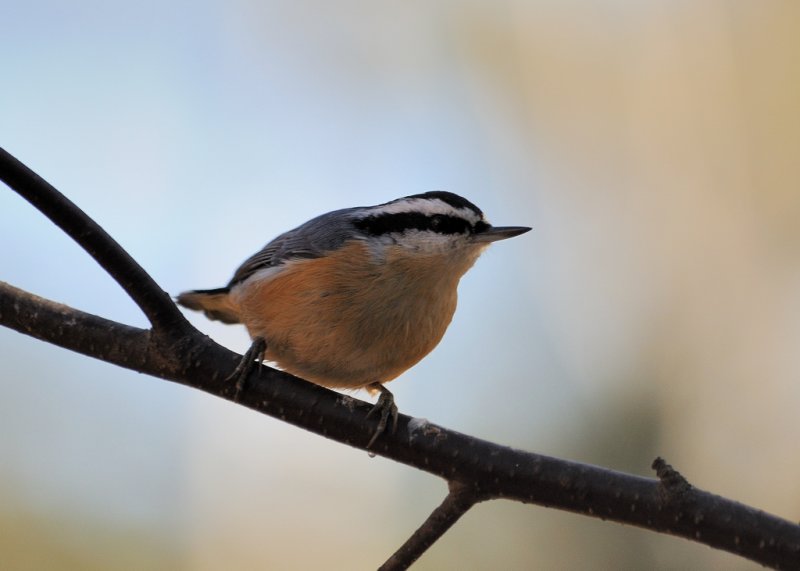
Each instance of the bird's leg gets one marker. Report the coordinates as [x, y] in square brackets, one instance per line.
[253, 357]
[386, 408]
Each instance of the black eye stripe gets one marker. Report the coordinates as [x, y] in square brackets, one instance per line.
[388, 223]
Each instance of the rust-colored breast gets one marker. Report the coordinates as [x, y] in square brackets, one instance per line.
[349, 319]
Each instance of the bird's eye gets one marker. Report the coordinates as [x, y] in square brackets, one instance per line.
[480, 226]
[437, 221]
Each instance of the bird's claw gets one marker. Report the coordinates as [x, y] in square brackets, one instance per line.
[252, 358]
[387, 409]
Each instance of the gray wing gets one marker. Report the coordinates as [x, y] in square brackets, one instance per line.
[309, 240]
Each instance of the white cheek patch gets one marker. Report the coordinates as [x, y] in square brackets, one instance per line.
[420, 241]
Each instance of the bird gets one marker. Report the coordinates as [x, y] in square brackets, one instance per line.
[355, 297]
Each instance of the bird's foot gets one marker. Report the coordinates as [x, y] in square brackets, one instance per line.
[252, 358]
[386, 408]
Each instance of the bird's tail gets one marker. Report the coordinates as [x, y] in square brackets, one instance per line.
[215, 303]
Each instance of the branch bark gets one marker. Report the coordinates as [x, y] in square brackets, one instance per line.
[175, 351]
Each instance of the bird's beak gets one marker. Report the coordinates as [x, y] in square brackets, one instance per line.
[495, 233]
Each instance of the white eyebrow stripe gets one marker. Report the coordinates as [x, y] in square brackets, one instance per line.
[426, 206]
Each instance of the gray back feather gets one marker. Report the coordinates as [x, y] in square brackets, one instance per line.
[309, 240]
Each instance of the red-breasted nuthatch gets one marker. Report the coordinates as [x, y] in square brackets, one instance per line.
[354, 297]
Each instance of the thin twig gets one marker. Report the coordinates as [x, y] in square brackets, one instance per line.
[459, 500]
[145, 292]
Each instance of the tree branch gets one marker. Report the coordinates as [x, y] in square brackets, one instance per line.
[153, 301]
[175, 351]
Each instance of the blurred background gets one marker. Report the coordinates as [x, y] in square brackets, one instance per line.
[654, 310]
